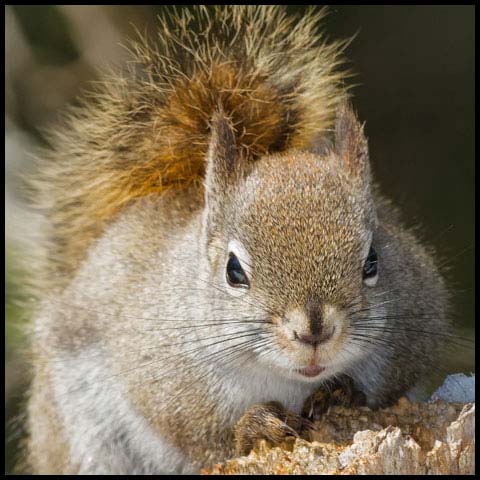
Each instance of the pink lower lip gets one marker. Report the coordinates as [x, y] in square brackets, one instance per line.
[311, 370]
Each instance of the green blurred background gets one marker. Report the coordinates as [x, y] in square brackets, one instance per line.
[415, 75]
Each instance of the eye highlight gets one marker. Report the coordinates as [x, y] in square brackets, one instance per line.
[370, 265]
[236, 276]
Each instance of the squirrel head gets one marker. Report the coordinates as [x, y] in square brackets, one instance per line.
[289, 243]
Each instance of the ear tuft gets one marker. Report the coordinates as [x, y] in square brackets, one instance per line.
[351, 145]
[222, 149]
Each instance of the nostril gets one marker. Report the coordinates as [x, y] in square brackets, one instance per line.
[309, 339]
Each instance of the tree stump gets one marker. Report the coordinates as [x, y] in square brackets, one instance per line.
[407, 439]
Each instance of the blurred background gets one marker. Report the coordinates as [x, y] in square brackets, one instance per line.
[415, 89]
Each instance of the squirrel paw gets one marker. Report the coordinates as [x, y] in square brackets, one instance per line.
[269, 421]
[340, 392]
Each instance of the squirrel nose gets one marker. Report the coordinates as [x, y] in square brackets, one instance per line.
[314, 312]
[313, 339]
[310, 339]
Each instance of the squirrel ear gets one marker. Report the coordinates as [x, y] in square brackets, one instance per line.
[225, 165]
[224, 161]
[351, 145]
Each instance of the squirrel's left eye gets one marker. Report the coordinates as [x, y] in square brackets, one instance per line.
[236, 276]
[370, 266]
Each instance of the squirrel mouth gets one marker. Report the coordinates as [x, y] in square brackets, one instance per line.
[311, 370]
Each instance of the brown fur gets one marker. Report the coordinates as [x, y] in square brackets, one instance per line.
[48, 456]
[147, 130]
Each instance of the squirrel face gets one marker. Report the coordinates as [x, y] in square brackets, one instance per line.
[293, 269]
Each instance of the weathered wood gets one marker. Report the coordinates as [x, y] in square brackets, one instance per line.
[408, 438]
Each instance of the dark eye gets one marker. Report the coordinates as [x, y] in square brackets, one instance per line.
[370, 266]
[236, 277]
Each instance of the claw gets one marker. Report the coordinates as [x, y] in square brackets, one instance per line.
[267, 421]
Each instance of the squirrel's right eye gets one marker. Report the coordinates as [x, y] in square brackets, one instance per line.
[370, 268]
[236, 276]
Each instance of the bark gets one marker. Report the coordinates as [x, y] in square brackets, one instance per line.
[408, 439]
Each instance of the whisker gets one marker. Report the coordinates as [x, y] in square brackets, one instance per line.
[163, 358]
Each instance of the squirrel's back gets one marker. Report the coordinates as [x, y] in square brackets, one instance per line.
[147, 130]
